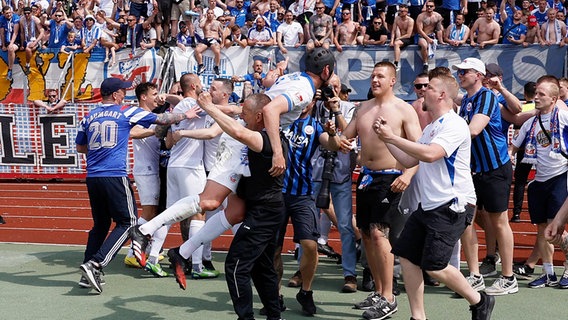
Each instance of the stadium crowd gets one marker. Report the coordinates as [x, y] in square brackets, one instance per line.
[89, 25]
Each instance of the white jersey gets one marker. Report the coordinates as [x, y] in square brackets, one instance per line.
[449, 177]
[290, 33]
[546, 166]
[298, 89]
[210, 146]
[146, 155]
[187, 153]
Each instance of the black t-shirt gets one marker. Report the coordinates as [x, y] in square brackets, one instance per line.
[260, 188]
[376, 35]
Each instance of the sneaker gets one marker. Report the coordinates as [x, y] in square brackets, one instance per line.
[545, 280]
[482, 310]
[92, 274]
[178, 265]
[262, 310]
[296, 280]
[487, 267]
[131, 262]
[476, 282]
[9, 75]
[306, 300]
[139, 244]
[216, 70]
[327, 250]
[503, 286]
[372, 299]
[516, 218]
[382, 310]
[156, 270]
[367, 284]
[207, 264]
[523, 271]
[200, 69]
[563, 283]
[350, 285]
[205, 274]
[395, 287]
[84, 283]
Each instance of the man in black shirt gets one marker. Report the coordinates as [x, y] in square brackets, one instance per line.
[376, 34]
[252, 250]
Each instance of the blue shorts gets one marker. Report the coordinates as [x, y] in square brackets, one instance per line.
[305, 217]
[545, 198]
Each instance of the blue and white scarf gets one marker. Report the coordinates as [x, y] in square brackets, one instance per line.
[556, 143]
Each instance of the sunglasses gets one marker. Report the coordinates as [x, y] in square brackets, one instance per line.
[130, 20]
[419, 86]
[52, 96]
[429, 6]
[462, 72]
[346, 13]
[318, 8]
[58, 16]
[377, 23]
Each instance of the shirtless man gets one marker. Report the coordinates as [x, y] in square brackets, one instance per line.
[380, 184]
[457, 33]
[321, 29]
[212, 32]
[403, 32]
[553, 31]
[486, 29]
[533, 32]
[429, 28]
[420, 85]
[347, 30]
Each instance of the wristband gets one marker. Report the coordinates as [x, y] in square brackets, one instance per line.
[337, 113]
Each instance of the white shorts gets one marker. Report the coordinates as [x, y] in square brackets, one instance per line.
[183, 182]
[148, 187]
[231, 163]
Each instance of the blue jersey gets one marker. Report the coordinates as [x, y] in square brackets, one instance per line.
[451, 4]
[240, 15]
[57, 34]
[489, 148]
[105, 131]
[513, 30]
[8, 26]
[303, 140]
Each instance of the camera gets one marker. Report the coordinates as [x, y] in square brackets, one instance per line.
[323, 199]
[327, 93]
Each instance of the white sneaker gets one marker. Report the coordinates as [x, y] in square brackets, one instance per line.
[476, 282]
[503, 286]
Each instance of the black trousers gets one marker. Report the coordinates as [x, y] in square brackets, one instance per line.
[251, 256]
[521, 175]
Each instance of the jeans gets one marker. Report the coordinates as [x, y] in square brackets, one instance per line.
[342, 202]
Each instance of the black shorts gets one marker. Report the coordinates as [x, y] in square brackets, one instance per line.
[378, 204]
[545, 198]
[406, 42]
[304, 18]
[391, 14]
[209, 42]
[381, 6]
[492, 188]
[429, 237]
[305, 217]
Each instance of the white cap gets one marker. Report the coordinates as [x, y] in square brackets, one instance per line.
[471, 63]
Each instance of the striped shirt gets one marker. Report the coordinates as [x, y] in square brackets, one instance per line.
[303, 140]
[489, 148]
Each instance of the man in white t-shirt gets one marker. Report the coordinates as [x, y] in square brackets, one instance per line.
[445, 194]
[290, 33]
[544, 146]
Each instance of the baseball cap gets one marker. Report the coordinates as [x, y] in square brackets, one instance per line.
[27, 9]
[532, 21]
[89, 16]
[111, 85]
[471, 63]
[494, 69]
[345, 89]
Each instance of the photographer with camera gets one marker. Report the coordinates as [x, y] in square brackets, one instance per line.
[332, 176]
